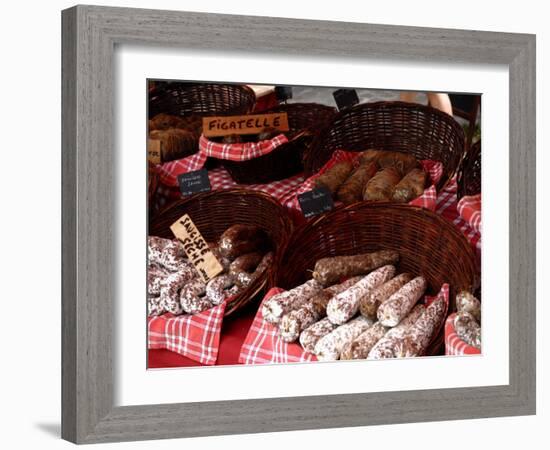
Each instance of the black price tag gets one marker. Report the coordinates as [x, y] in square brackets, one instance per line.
[194, 182]
[345, 98]
[283, 93]
[314, 202]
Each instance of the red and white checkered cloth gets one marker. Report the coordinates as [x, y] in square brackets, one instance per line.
[453, 344]
[263, 345]
[447, 208]
[233, 152]
[196, 336]
[469, 208]
[220, 179]
[426, 200]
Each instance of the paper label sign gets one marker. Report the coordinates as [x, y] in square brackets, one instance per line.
[196, 248]
[248, 124]
[315, 202]
[154, 151]
[345, 98]
[194, 182]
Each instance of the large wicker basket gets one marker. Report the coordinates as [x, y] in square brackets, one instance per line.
[428, 245]
[423, 131]
[305, 121]
[152, 186]
[469, 177]
[214, 212]
[204, 99]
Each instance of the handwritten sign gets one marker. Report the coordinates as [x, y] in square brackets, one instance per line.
[154, 151]
[196, 248]
[315, 202]
[345, 98]
[248, 124]
[194, 182]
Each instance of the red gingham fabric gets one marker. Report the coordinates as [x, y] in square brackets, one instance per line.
[220, 179]
[233, 152]
[196, 336]
[447, 207]
[469, 208]
[262, 345]
[453, 344]
[426, 200]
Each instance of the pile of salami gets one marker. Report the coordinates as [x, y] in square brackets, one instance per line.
[174, 285]
[373, 314]
[379, 176]
[467, 321]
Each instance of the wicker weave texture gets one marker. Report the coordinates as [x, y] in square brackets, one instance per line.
[214, 212]
[411, 128]
[184, 99]
[469, 177]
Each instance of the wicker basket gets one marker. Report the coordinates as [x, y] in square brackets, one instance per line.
[427, 243]
[152, 186]
[214, 212]
[305, 121]
[204, 99]
[423, 131]
[469, 177]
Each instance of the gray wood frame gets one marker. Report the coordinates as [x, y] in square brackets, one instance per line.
[89, 36]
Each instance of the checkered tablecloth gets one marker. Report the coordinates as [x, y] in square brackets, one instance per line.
[447, 208]
[453, 344]
[169, 171]
[469, 208]
[262, 345]
[196, 336]
[220, 179]
[426, 200]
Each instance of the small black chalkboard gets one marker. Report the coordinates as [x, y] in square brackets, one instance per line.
[345, 98]
[194, 182]
[283, 93]
[314, 202]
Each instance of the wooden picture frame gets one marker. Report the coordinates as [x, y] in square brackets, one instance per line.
[90, 34]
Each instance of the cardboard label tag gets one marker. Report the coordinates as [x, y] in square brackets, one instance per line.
[154, 151]
[196, 248]
[345, 98]
[315, 202]
[247, 124]
[194, 182]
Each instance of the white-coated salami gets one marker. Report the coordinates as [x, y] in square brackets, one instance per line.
[467, 302]
[218, 288]
[345, 305]
[274, 308]
[170, 289]
[360, 347]
[468, 329]
[154, 307]
[311, 335]
[385, 347]
[329, 347]
[155, 278]
[370, 303]
[168, 254]
[297, 320]
[193, 297]
[395, 308]
[418, 336]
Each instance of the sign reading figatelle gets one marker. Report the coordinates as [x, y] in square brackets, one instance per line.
[248, 124]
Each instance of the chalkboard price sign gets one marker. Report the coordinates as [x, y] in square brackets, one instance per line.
[194, 182]
[345, 98]
[315, 202]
